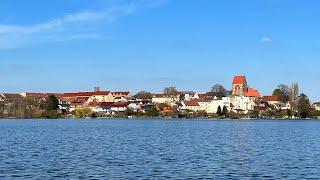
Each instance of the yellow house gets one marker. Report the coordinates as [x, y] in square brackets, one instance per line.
[97, 96]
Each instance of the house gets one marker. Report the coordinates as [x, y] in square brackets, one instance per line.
[147, 106]
[211, 106]
[275, 102]
[242, 104]
[121, 96]
[138, 104]
[188, 95]
[95, 96]
[165, 98]
[118, 106]
[167, 108]
[77, 103]
[205, 105]
[239, 86]
[2, 97]
[316, 106]
[191, 105]
[222, 102]
[134, 106]
[100, 107]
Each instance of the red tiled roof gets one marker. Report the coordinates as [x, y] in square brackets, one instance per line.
[95, 104]
[111, 104]
[79, 100]
[191, 103]
[253, 93]
[119, 104]
[271, 98]
[86, 94]
[122, 93]
[239, 80]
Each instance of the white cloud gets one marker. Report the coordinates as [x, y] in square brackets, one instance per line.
[265, 40]
[12, 36]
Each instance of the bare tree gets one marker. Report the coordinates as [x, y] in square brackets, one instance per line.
[219, 90]
[143, 95]
[170, 91]
[294, 97]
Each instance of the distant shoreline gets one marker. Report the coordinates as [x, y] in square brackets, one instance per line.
[168, 119]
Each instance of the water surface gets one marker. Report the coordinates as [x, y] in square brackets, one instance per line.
[159, 149]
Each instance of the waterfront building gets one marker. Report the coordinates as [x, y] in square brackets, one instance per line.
[95, 96]
[242, 104]
[165, 98]
[222, 102]
[121, 96]
[316, 106]
[191, 105]
[276, 103]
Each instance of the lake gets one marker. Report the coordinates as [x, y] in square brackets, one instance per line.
[159, 149]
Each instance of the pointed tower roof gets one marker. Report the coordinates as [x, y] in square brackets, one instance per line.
[240, 80]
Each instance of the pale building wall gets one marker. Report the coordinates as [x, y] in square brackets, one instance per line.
[101, 98]
[225, 101]
[243, 103]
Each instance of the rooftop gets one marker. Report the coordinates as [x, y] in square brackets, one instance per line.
[240, 80]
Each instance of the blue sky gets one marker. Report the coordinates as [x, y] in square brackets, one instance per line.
[68, 45]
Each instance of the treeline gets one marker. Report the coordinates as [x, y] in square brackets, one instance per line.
[20, 107]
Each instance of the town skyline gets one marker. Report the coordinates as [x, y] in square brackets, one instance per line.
[135, 45]
[160, 89]
[243, 100]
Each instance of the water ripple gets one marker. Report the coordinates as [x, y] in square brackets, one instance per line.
[132, 149]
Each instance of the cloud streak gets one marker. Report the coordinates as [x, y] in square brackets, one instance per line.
[12, 36]
[265, 40]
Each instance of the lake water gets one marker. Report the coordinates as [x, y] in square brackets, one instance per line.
[159, 149]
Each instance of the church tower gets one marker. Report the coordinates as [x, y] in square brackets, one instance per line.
[239, 86]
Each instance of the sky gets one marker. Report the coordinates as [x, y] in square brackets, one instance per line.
[74, 45]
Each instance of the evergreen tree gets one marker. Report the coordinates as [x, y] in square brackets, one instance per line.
[303, 106]
[219, 111]
[52, 103]
[225, 111]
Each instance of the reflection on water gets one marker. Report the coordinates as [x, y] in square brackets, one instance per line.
[133, 149]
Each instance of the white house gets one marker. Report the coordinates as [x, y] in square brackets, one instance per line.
[223, 102]
[277, 103]
[191, 105]
[316, 106]
[134, 106]
[119, 107]
[211, 106]
[2, 97]
[242, 104]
